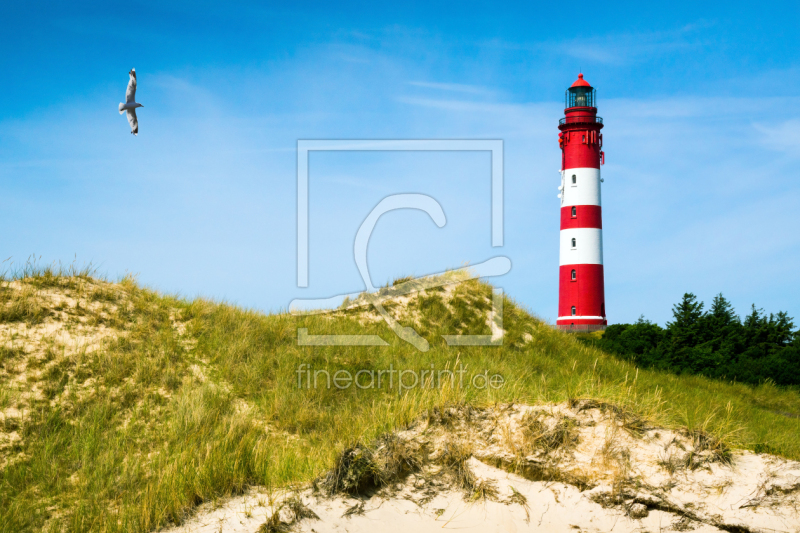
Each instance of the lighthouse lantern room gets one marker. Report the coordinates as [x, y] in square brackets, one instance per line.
[581, 293]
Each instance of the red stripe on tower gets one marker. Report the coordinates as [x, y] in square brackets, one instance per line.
[581, 216]
[581, 290]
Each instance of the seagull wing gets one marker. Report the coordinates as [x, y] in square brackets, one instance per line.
[133, 121]
[130, 94]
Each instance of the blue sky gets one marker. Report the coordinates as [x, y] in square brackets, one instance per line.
[702, 143]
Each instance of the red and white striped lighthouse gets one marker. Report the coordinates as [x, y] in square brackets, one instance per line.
[581, 294]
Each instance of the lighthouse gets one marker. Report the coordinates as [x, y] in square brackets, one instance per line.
[581, 293]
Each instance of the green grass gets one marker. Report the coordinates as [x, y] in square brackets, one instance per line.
[133, 436]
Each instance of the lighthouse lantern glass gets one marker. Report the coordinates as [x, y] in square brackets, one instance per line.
[581, 97]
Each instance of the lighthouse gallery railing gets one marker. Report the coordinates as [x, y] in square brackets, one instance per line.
[580, 120]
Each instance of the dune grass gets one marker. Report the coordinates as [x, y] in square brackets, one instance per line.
[196, 400]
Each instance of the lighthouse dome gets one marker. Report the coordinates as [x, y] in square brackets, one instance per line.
[581, 94]
[580, 82]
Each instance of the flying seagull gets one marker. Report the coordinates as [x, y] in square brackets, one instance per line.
[130, 104]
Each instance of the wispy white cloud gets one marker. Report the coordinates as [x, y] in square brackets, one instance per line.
[456, 105]
[454, 87]
[782, 136]
[616, 49]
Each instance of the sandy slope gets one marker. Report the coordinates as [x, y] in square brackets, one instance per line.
[612, 474]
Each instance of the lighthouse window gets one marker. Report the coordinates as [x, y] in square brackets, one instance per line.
[574, 179]
[574, 275]
[574, 312]
[574, 243]
[574, 211]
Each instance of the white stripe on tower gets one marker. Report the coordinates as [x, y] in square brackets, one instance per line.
[584, 189]
[587, 249]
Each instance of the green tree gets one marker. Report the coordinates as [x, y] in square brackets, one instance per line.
[721, 334]
[684, 333]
